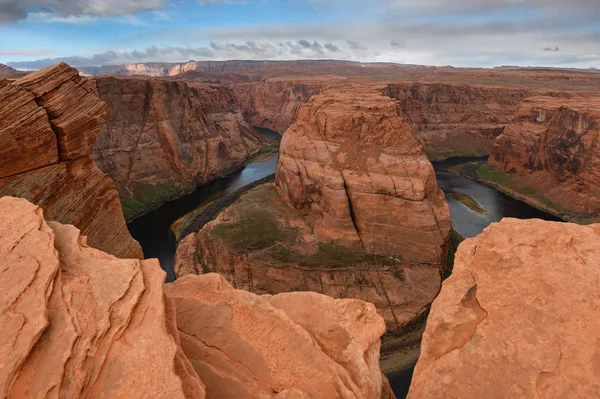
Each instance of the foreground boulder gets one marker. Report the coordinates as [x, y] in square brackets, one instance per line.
[164, 138]
[299, 345]
[549, 156]
[78, 322]
[518, 317]
[48, 123]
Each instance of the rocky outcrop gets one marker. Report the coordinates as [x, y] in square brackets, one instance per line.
[352, 161]
[456, 119]
[163, 138]
[78, 322]
[518, 316]
[6, 70]
[356, 214]
[552, 153]
[274, 104]
[298, 345]
[48, 123]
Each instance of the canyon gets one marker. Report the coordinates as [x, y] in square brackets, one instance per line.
[48, 123]
[355, 212]
[353, 239]
[549, 156]
[78, 322]
[164, 138]
[517, 318]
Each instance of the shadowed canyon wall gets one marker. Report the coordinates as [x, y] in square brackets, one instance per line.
[163, 138]
[48, 124]
[551, 153]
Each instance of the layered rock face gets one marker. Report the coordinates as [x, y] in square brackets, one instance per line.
[352, 161]
[164, 138]
[274, 104]
[78, 322]
[518, 316]
[356, 213]
[456, 119]
[48, 124]
[552, 147]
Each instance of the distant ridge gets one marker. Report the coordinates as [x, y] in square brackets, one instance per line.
[6, 70]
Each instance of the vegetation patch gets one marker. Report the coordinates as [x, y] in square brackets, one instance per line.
[469, 202]
[149, 196]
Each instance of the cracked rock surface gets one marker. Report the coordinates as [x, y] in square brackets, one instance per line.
[518, 318]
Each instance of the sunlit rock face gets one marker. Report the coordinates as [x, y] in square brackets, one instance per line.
[518, 316]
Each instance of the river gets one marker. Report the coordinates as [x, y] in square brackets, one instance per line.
[153, 230]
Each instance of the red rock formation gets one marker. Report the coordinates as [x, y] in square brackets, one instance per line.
[48, 122]
[552, 148]
[163, 138]
[456, 119]
[78, 322]
[299, 345]
[352, 161]
[274, 104]
[354, 183]
[518, 316]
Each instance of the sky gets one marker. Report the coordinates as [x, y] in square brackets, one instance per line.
[462, 33]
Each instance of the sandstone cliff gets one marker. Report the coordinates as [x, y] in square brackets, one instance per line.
[356, 213]
[274, 104]
[48, 123]
[518, 316]
[81, 323]
[163, 138]
[456, 119]
[551, 153]
[352, 161]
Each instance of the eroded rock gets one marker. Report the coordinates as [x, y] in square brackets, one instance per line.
[518, 316]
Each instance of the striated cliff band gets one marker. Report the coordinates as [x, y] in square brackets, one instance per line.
[78, 322]
[163, 138]
[549, 156]
[355, 213]
[457, 120]
[48, 124]
[274, 104]
[518, 316]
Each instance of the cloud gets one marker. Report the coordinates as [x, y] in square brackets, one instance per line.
[300, 49]
[555, 48]
[63, 10]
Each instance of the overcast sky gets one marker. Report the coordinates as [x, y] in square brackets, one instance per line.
[479, 33]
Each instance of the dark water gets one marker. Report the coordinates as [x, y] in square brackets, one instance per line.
[154, 234]
[469, 223]
[153, 230]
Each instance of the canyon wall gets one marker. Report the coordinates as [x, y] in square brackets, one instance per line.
[456, 119]
[551, 153]
[163, 138]
[518, 316]
[48, 123]
[355, 213]
[78, 322]
[274, 104]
